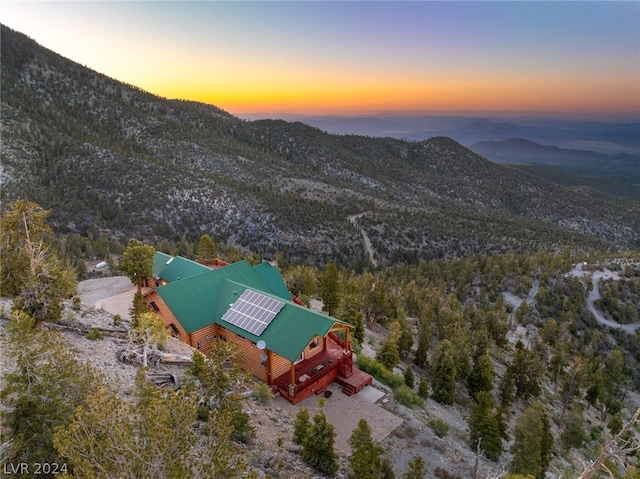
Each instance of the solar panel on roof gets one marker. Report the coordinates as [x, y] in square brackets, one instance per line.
[253, 312]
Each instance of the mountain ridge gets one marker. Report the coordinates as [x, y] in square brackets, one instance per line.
[100, 153]
[614, 173]
[596, 135]
[521, 150]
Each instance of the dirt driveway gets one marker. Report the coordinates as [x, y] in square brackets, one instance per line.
[113, 294]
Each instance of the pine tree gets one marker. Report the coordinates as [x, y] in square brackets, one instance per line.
[613, 380]
[301, 280]
[365, 453]
[484, 429]
[423, 387]
[154, 437]
[481, 375]
[330, 288]
[377, 302]
[112, 452]
[29, 268]
[43, 290]
[409, 377]
[532, 442]
[526, 373]
[22, 227]
[507, 388]
[523, 313]
[388, 354]
[416, 469]
[573, 435]
[218, 379]
[198, 364]
[386, 469]
[424, 340]
[405, 338]
[351, 309]
[317, 450]
[41, 393]
[546, 440]
[443, 382]
[302, 426]
[222, 385]
[595, 389]
[137, 262]
[138, 307]
[206, 249]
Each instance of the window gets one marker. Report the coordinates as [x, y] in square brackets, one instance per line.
[175, 331]
[314, 343]
[155, 307]
[300, 358]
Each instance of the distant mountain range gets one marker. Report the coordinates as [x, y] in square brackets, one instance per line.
[599, 136]
[109, 158]
[604, 169]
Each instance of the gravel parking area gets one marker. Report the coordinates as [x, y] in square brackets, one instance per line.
[113, 294]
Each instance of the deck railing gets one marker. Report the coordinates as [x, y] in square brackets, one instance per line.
[314, 378]
[338, 340]
[344, 366]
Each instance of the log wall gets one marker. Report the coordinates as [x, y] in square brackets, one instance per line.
[252, 361]
[203, 338]
[279, 366]
[170, 321]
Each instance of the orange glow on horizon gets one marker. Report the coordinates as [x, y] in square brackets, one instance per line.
[530, 94]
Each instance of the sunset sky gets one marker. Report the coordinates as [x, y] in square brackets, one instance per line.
[574, 58]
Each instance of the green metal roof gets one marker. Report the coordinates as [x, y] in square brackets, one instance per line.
[291, 330]
[195, 302]
[201, 300]
[271, 276]
[174, 268]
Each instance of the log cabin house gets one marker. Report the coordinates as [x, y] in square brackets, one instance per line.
[296, 350]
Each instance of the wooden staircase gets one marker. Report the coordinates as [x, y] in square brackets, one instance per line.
[355, 383]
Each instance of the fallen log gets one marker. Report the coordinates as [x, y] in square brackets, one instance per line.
[170, 358]
[112, 332]
[82, 329]
[136, 357]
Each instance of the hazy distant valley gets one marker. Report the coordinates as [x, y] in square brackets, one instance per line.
[594, 135]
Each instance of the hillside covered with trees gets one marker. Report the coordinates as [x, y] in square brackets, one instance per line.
[538, 390]
[107, 158]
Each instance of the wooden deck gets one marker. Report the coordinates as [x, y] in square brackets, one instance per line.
[312, 376]
[355, 383]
